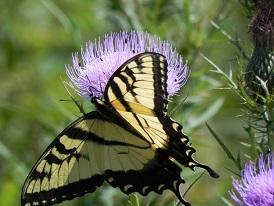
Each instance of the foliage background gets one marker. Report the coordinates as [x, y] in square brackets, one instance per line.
[37, 39]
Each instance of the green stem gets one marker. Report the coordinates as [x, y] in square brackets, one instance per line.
[269, 129]
[253, 142]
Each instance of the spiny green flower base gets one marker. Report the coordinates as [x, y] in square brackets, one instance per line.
[259, 75]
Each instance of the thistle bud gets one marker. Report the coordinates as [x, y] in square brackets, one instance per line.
[259, 74]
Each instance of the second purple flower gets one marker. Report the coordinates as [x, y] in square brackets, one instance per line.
[257, 185]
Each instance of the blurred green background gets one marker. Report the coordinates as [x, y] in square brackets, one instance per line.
[37, 38]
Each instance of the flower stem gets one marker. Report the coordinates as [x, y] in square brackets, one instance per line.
[269, 129]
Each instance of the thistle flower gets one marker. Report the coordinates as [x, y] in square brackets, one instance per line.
[101, 58]
[257, 185]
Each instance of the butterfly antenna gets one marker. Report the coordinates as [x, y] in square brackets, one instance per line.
[79, 105]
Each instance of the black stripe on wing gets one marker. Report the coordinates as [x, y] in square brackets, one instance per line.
[67, 192]
[160, 84]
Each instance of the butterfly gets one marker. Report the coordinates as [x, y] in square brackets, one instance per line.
[129, 142]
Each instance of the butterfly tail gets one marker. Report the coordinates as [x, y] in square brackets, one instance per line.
[210, 171]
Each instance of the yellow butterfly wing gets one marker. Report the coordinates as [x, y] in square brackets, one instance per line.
[138, 92]
[140, 85]
[86, 153]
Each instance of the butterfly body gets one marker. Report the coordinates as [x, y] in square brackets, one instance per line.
[129, 142]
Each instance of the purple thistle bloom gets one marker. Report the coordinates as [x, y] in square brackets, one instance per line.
[257, 185]
[100, 59]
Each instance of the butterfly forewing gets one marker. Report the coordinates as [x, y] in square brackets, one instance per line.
[139, 86]
[81, 158]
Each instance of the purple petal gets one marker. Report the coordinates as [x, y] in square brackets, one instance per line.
[257, 184]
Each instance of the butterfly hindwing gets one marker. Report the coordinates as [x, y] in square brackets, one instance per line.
[166, 134]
